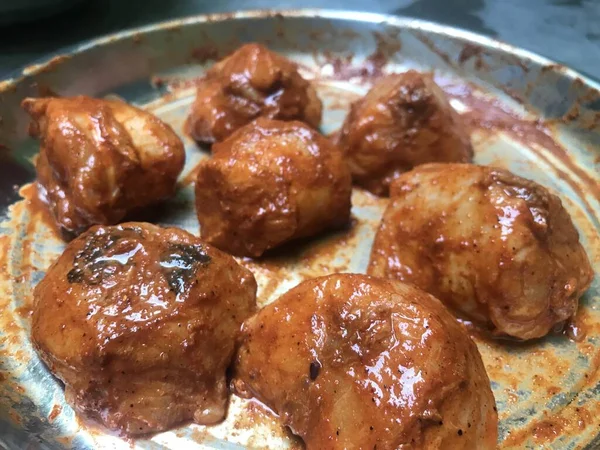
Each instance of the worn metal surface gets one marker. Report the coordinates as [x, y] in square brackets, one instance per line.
[538, 119]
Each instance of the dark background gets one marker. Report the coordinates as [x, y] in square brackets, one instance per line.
[567, 31]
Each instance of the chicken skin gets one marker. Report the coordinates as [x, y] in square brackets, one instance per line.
[403, 121]
[140, 323]
[496, 248]
[252, 82]
[351, 361]
[269, 183]
[100, 159]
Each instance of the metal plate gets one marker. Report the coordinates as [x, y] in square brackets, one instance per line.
[537, 118]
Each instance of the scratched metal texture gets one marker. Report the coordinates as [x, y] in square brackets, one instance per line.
[546, 391]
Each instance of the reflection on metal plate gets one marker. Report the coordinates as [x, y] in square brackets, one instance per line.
[538, 119]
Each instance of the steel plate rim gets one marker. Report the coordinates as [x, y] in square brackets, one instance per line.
[401, 22]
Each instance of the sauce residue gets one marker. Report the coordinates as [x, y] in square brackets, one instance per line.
[343, 66]
[472, 51]
[301, 260]
[54, 413]
[37, 209]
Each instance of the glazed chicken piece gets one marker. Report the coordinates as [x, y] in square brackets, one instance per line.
[403, 121]
[252, 82]
[496, 248]
[100, 159]
[351, 361]
[140, 322]
[269, 183]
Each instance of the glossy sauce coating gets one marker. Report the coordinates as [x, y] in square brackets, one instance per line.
[403, 121]
[269, 183]
[351, 361]
[252, 82]
[139, 322]
[100, 159]
[497, 248]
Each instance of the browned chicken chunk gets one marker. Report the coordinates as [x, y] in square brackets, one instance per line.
[403, 121]
[140, 322]
[269, 183]
[496, 248]
[350, 361]
[252, 82]
[100, 159]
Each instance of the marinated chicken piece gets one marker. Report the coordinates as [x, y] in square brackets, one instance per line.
[350, 361]
[100, 159]
[269, 183]
[140, 323]
[496, 248]
[252, 82]
[403, 121]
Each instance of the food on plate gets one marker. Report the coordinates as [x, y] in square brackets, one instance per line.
[140, 323]
[496, 248]
[252, 82]
[403, 121]
[269, 183]
[351, 361]
[100, 159]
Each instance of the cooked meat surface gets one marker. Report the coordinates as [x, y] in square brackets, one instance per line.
[403, 121]
[252, 82]
[496, 248]
[351, 361]
[140, 322]
[269, 183]
[100, 159]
